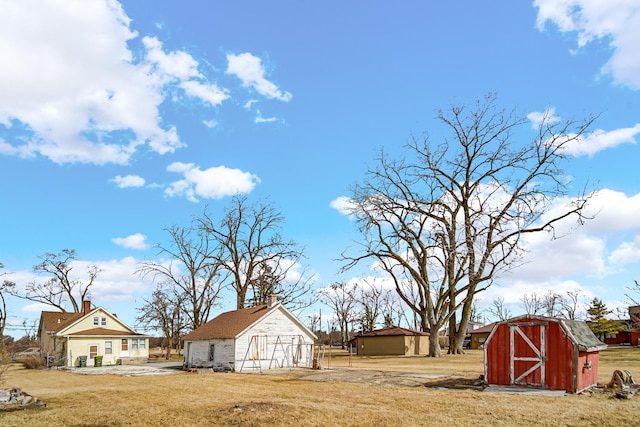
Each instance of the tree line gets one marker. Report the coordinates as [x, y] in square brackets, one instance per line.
[442, 222]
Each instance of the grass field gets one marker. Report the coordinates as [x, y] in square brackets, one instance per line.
[188, 399]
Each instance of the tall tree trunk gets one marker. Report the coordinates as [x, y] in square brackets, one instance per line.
[434, 343]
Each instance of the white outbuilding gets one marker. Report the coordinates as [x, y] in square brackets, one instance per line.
[263, 337]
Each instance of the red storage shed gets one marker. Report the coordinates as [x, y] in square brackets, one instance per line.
[542, 352]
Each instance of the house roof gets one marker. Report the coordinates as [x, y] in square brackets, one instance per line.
[483, 330]
[230, 323]
[391, 331]
[105, 332]
[55, 321]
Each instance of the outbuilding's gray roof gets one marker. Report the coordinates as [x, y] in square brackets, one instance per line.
[583, 335]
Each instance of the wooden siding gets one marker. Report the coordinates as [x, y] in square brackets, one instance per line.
[80, 347]
[112, 323]
[563, 367]
[277, 336]
[274, 340]
[381, 346]
[197, 353]
[478, 339]
[392, 345]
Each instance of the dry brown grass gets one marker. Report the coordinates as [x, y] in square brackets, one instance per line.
[281, 400]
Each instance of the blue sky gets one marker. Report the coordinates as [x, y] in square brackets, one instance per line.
[118, 119]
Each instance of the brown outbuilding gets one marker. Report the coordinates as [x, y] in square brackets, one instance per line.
[392, 341]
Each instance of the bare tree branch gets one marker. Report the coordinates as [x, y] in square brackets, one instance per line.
[193, 271]
[258, 260]
[60, 288]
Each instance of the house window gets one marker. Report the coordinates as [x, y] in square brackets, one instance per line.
[134, 344]
[108, 347]
[211, 352]
[125, 345]
[93, 350]
[103, 321]
[143, 343]
[96, 321]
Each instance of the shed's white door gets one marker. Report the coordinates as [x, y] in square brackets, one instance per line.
[527, 353]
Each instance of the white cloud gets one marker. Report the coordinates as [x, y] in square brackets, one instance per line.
[537, 117]
[210, 123]
[213, 183]
[626, 253]
[250, 103]
[71, 89]
[128, 181]
[260, 119]
[134, 241]
[589, 143]
[596, 248]
[513, 293]
[598, 140]
[170, 66]
[70, 78]
[342, 204]
[116, 281]
[207, 92]
[617, 22]
[249, 70]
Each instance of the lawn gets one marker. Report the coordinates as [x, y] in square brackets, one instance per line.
[284, 400]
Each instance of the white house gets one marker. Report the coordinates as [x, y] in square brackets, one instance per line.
[262, 337]
[66, 338]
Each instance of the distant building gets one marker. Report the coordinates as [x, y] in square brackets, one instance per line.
[392, 341]
[68, 338]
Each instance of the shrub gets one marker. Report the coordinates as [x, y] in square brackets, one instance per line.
[33, 362]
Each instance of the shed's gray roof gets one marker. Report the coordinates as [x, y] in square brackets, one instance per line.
[583, 335]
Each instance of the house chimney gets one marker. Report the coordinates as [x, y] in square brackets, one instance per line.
[273, 300]
[86, 307]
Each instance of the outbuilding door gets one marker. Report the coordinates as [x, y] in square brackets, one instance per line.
[527, 353]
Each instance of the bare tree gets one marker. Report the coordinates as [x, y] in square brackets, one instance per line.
[162, 312]
[61, 287]
[341, 297]
[550, 303]
[370, 302]
[5, 287]
[193, 271]
[258, 259]
[569, 304]
[392, 310]
[634, 289]
[531, 304]
[313, 321]
[449, 217]
[499, 310]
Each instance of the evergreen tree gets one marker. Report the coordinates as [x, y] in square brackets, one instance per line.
[597, 313]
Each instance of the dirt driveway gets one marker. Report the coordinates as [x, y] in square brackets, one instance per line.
[146, 369]
[367, 376]
[362, 376]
